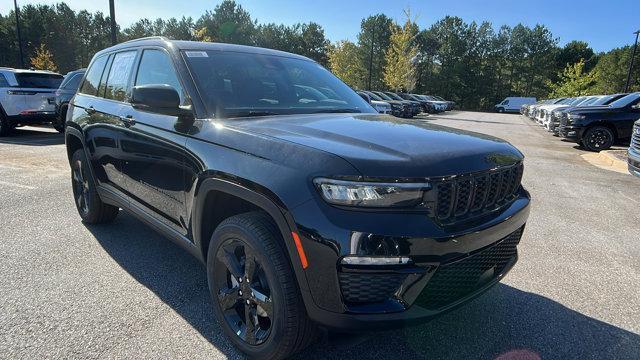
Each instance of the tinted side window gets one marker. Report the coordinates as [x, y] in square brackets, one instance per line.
[73, 83]
[156, 68]
[90, 84]
[3, 81]
[118, 78]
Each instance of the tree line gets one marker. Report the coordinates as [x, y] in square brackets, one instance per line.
[474, 64]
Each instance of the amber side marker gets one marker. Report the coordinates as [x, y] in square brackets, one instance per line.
[303, 257]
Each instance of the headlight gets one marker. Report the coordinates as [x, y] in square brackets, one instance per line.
[576, 117]
[369, 194]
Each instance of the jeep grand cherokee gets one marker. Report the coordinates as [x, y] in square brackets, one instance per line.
[305, 212]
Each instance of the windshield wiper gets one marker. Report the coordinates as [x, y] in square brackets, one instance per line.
[250, 113]
[343, 110]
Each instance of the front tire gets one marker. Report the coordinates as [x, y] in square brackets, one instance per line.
[598, 138]
[5, 127]
[500, 110]
[256, 299]
[88, 203]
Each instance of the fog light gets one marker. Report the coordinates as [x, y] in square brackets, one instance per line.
[375, 260]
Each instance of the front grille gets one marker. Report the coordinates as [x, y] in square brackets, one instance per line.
[369, 288]
[456, 280]
[635, 138]
[472, 196]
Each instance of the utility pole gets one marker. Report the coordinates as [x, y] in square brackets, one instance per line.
[15, 4]
[373, 36]
[114, 29]
[633, 56]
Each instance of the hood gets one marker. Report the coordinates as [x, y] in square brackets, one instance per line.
[386, 146]
[380, 103]
[591, 109]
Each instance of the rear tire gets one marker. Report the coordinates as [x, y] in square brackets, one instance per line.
[5, 127]
[598, 138]
[275, 330]
[88, 203]
[59, 123]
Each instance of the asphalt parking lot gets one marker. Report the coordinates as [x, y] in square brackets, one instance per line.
[121, 291]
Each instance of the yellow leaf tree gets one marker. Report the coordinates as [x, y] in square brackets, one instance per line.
[400, 69]
[344, 63]
[43, 59]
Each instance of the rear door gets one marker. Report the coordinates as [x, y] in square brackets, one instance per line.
[154, 148]
[101, 98]
[38, 91]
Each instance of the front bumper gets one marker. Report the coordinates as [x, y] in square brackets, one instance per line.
[570, 132]
[633, 161]
[450, 265]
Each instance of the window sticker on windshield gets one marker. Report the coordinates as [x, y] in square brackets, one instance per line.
[196, 54]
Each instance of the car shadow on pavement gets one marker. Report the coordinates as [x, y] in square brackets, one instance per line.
[32, 137]
[505, 323]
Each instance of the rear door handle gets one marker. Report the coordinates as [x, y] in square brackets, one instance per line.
[90, 110]
[128, 120]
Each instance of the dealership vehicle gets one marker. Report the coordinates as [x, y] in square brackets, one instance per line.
[415, 106]
[397, 107]
[382, 107]
[513, 103]
[558, 114]
[543, 110]
[599, 127]
[425, 106]
[407, 106]
[534, 109]
[436, 106]
[450, 104]
[26, 97]
[304, 213]
[633, 155]
[65, 92]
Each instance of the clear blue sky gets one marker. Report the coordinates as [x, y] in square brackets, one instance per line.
[604, 24]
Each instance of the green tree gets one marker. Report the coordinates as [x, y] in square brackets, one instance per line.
[611, 71]
[229, 22]
[574, 81]
[373, 42]
[341, 56]
[401, 57]
[573, 51]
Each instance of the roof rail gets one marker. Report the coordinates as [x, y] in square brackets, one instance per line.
[147, 38]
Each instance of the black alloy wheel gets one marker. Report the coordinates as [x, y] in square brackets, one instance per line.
[80, 187]
[598, 138]
[244, 294]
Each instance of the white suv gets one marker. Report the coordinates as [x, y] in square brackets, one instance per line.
[26, 97]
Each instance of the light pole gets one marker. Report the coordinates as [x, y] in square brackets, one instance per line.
[114, 29]
[633, 56]
[15, 4]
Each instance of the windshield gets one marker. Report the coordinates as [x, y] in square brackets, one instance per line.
[235, 84]
[41, 81]
[625, 100]
[394, 96]
[373, 96]
[603, 100]
[383, 95]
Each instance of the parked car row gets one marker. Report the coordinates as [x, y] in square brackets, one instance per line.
[406, 105]
[594, 122]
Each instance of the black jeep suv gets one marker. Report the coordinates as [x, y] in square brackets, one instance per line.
[305, 212]
[599, 127]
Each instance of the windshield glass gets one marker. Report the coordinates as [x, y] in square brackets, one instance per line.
[603, 100]
[383, 95]
[41, 81]
[625, 100]
[235, 84]
[373, 96]
[394, 96]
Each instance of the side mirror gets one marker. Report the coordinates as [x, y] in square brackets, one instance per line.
[636, 107]
[157, 98]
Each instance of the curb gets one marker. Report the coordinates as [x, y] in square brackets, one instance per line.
[606, 160]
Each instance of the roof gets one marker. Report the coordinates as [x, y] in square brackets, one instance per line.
[202, 46]
[31, 71]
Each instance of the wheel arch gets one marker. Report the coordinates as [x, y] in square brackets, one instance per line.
[204, 208]
[73, 141]
[606, 124]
